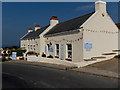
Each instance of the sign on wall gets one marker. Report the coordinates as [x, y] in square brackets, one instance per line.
[51, 49]
[62, 51]
[14, 55]
[88, 45]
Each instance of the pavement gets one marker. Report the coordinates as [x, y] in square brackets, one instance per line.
[44, 64]
[107, 68]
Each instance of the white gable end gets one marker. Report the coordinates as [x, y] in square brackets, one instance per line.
[102, 32]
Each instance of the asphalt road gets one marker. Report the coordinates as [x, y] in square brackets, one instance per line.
[30, 76]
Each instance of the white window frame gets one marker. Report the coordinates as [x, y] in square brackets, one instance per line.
[48, 47]
[57, 49]
[68, 51]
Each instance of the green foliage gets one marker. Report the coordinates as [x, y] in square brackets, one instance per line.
[31, 53]
[19, 52]
[4, 59]
[118, 56]
[11, 47]
[43, 55]
[50, 56]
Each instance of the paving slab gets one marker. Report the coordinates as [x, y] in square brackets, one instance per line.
[107, 68]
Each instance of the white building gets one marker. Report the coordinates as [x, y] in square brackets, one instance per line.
[87, 37]
[33, 40]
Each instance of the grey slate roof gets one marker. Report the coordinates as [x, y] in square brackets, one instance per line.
[118, 25]
[68, 26]
[35, 34]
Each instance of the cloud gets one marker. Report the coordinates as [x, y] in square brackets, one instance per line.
[87, 7]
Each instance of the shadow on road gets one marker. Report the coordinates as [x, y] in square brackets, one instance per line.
[9, 81]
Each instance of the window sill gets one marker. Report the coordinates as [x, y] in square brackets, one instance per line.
[68, 59]
[56, 56]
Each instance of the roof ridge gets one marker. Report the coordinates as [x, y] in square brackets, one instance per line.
[76, 17]
[69, 25]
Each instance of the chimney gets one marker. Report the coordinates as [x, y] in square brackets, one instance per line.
[54, 20]
[100, 6]
[37, 27]
[30, 30]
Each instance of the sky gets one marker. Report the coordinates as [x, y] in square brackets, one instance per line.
[0, 25]
[17, 17]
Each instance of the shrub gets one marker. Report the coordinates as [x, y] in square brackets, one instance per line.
[32, 53]
[43, 55]
[50, 56]
[118, 56]
[3, 58]
[19, 52]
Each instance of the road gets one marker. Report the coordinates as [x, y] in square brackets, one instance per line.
[30, 76]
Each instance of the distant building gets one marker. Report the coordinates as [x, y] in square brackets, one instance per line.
[83, 38]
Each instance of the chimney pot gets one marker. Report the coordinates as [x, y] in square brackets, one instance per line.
[30, 30]
[100, 6]
[37, 27]
[54, 20]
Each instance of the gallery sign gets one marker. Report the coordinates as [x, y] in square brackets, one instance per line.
[88, 45]
[51, 49]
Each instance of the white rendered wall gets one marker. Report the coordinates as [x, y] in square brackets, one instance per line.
[42, 40]
[77, 46]
[101, 42]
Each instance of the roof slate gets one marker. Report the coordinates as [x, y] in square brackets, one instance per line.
[118, 25]
[69, 25]
[35, 34]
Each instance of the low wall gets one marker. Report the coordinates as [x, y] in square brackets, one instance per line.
[33, 58]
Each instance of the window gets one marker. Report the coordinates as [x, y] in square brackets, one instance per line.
[34, 49]
[48, 46]
[69, 51]
[57, 49]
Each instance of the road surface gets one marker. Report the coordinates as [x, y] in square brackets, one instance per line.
[30, 76]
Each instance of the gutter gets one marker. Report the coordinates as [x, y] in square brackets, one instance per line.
[63, 33]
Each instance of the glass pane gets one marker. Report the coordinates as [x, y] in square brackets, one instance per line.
[57, 53]
[57, 46]
[69, 47]
[69, 54]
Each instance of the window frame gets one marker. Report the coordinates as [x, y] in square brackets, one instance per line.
[57, 50]
[68, 50]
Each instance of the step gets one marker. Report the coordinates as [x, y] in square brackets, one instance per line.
[92, 59]
[116, 50]
[99, 57]
[108, 53]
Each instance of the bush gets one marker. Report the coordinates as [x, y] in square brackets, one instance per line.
[3, 58]
[50, 56]
[43, 55]
[19, 52]
[118, 56]
[31, 53]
